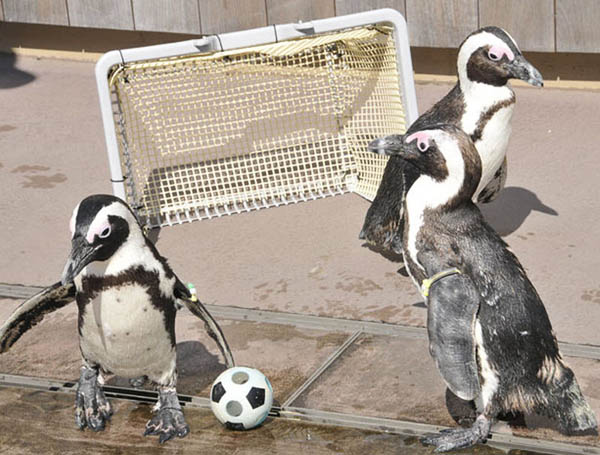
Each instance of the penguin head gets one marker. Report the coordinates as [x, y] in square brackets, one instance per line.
[443, 154]
[100, 225]
[491, 56]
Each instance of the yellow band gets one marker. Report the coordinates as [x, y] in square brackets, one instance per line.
[428, 282]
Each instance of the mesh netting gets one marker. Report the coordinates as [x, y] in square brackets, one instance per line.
[205, 135]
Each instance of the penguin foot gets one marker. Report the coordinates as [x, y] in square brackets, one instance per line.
[396, 244]
[169, 420]
[463, 412]
[459, 438]
[138, 382]
[92, 409]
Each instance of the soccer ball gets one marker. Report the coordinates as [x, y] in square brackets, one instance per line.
[241, 398]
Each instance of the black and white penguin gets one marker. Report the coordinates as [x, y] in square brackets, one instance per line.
[127, 297]
[481, 104]
[489, 332]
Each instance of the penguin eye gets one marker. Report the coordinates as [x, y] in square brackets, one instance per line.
[422, 146]
[494, 56]
[105, 233]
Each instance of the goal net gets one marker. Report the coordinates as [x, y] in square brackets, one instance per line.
[214, 133]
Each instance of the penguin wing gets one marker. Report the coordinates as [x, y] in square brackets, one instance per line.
[212, 328]
[383, 223]
[384, 215]
[33, 310]
[451, 310]
[494, 186]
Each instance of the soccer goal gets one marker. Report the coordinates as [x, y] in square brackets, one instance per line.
[254, 119]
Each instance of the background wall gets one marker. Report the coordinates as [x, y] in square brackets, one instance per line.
[537, 25]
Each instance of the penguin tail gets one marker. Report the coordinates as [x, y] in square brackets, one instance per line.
[567, 405]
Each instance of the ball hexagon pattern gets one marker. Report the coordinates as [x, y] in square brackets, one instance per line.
[241, 398]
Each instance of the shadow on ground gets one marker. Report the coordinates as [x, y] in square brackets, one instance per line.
[196, 369]
[10, 76]
[514, 204]
[388, 254]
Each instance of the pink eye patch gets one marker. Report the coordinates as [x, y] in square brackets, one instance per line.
[499, 51]
[96, 229]
[422, 140]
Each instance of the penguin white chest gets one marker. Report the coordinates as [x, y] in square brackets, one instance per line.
[122, 332]
[487, 116]
[493, 144]
[488, 374]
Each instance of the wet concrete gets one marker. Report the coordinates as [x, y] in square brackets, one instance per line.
[378, 376]
[407, 386]
[33, 422]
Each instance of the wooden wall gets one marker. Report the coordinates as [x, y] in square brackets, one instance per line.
[537, 25]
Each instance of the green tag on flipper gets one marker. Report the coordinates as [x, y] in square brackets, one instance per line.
[192, 289]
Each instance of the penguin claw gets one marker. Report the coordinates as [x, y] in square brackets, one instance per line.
[138, 382]
[96, 423]
[459, 438]
[167, 423]
[92, 409]
[164, 437]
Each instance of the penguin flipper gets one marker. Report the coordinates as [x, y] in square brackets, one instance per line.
[212, 328]
[452, 307]
[384, 215]
[33, 310]
[494, 186]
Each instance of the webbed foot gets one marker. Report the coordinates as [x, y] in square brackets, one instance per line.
[92, 409]
[459, 438]
[169, 420]
[396, 243]
[138, 382]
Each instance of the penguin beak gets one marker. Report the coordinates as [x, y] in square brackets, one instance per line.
[394, 145]
[520, 68]
[387, 145]
[82, 253]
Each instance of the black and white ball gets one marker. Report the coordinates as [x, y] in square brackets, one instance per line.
[241, 398]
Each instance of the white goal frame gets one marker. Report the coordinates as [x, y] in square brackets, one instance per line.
[231, 41]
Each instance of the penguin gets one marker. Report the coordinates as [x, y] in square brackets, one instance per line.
[489, 333]
[127, 297]
[481, 103]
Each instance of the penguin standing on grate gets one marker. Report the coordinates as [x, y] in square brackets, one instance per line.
[127, 297]
[489, 332]
[481, 104]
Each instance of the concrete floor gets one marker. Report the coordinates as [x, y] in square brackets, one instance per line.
[303, 259]
[20, 409]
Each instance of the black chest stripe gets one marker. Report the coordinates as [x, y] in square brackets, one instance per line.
[149, 280]
[487, 116]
